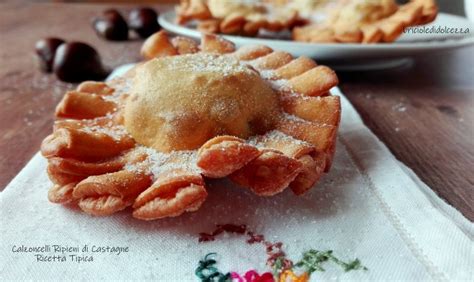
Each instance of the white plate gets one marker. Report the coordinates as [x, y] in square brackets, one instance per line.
[407, 45]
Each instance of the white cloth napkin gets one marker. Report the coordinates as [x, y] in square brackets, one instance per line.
[369, 206]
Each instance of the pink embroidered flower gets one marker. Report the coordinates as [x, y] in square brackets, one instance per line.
[252, 276]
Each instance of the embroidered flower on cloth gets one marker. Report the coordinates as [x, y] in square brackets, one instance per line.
[252, 276]
[284, 270]
[290, 276]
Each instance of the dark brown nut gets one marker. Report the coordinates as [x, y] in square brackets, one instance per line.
[144, 21]
[45, 50]
[111, 25]
[77, 61]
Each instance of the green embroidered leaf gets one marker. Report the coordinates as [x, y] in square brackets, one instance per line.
[277, 266]
[313, 259]
[207, 272]
[354, 265]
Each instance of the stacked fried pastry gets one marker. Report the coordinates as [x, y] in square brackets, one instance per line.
[345, 21]
[192, 112]
[237, 17]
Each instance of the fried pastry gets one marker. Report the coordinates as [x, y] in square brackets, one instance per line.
[344, 21]
[365, 21]
[238, 17]
[260, 117]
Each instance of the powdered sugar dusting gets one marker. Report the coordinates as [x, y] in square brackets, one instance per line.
[203, 62]
[117, 132]
[293, 118]
[272, 79]
[121, 86]
[259, 141]
[282, 85]
[267, 74]
[157, 163]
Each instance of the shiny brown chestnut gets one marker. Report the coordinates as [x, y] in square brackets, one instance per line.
[77, 61]
[144, 21]
[45, 50]
[111, 25]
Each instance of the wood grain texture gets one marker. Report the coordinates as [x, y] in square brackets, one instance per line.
[423, 113]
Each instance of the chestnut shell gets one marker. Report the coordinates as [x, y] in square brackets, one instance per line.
[77, 61]
[144, 21]
[111, 26]
[46, 50]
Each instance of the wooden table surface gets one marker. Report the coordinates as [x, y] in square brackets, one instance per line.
[423, 113]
